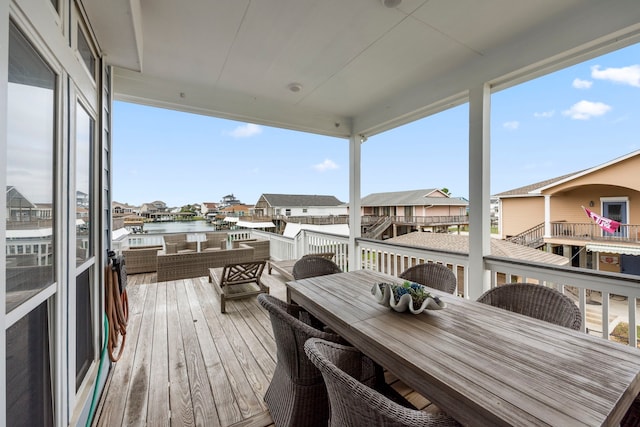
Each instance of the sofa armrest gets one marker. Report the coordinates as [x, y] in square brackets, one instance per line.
[141, 259]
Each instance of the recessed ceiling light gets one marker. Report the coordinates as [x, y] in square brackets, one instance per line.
[295, 87]
[391, 3]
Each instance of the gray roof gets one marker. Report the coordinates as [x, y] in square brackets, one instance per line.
[528, 189]
[301, 200]
[411, 198]
[460, 243]
[16, 199]
[523, 191]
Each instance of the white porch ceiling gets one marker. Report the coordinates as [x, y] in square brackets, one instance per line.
[363, 68]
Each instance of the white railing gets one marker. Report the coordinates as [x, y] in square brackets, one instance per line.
[306, 242]
[392, 258]
[583, 280]
[280, 247]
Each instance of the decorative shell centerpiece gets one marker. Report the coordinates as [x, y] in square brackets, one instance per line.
[407, 296]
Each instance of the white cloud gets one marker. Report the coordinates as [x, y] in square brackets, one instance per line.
[581, 84]
[326, 165]
[544, 114]
[246, 131]
[584, 110]
[625, 75]
[511, 125]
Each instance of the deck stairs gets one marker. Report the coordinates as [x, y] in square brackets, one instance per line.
[533, 237]
[377, 228]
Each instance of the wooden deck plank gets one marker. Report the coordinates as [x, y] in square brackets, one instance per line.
[223, 395]
[179, 393]
[240, 373]
[249, 357]
[217, 366]
[135, 413]
[257, 318]
[159, 410]
[201, 394]
[112, 412]
[258, 343]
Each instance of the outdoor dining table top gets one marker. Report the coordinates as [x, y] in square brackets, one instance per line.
[481, 364]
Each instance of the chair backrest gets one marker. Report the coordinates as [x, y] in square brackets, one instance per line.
[353, 403]
[312, 266]
[537, 301]
[175, 238]
[436, 276]
[290, 334]
[327, 255]
[243, 272]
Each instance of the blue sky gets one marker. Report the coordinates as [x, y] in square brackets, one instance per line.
[570, 120]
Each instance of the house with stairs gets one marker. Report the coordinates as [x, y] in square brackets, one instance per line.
[553, 215]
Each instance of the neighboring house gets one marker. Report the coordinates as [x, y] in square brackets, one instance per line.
[120, 209]
[299, 205]
[396, 213]
[236, 210]
[208, 207]
[229, 200]
[426, 202]
[19, 207]
[551, 213]
[153, 208]
[82, 199]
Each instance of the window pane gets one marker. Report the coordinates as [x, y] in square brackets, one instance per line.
[86, 53]
[29, 397]
[84, 154]
[30, 157]
[84, 330]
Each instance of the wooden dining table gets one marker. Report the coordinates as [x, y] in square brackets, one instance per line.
[483, 365]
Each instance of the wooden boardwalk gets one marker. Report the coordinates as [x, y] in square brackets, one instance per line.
[187, 364]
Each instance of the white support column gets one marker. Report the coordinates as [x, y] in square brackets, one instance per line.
[355, 142]
[547, 216]
[479, 190]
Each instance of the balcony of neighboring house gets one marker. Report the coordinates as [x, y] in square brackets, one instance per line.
[571, 233]
[314, 219]
[590, 232]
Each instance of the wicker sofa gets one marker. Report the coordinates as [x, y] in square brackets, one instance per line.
[214, 240]
[141, 259]
[261, 248]
[197, 264]
[177, 244]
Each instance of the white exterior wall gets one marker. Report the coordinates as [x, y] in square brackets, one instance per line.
[314, 210]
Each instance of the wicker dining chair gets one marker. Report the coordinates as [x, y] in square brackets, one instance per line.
[296, 395]
[535, 301]
[352, 402]
[433, 275]
[312, 266]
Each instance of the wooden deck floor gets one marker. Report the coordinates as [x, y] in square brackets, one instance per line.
[187, 364]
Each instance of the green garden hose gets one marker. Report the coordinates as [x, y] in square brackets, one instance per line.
[103, 354]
